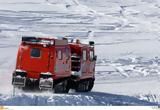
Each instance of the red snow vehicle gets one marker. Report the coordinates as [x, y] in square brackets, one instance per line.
[48, 63]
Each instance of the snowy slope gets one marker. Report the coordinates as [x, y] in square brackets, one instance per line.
[93, 98]
[127, 44]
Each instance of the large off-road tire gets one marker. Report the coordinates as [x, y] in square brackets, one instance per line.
[91, 84]
[62, 87]
[84, 85]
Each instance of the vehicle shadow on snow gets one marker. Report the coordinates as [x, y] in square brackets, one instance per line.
[73, 99]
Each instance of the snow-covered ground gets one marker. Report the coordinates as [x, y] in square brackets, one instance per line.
[83, 99]
[127, 44]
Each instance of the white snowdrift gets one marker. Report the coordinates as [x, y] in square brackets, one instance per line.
[92, 98]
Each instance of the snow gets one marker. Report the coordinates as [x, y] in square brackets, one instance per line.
[94, 98]
[126, 35]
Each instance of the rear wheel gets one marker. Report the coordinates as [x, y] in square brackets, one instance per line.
[81, 87]
[62, 87]
[84, 86]
[91, 84]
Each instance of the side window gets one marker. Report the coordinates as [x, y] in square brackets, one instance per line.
[35, 52]
[67, 53]
[84, 55]
[59, 54]
[91, 54]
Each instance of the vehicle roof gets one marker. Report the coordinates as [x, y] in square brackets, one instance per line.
[44, 41]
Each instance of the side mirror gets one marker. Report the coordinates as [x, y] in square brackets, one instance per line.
[95, 58]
